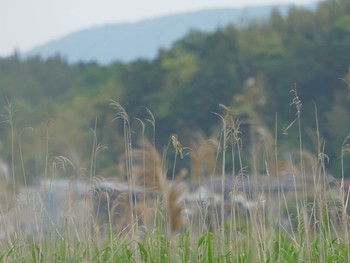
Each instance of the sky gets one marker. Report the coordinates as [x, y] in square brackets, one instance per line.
[25, 24]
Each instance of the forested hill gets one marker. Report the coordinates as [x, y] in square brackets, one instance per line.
[121, 42]
[251, 70]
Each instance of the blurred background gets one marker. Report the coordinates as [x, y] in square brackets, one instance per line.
[61, 63]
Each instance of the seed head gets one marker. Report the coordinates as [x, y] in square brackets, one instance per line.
[177, 145]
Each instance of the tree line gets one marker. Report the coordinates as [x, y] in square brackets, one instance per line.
[252, 70]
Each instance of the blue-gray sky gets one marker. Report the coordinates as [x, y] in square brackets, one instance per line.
[25, 24]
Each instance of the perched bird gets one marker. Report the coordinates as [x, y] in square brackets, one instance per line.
[177, 145]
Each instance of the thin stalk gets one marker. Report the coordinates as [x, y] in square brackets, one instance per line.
[9, 119]
[173, 174]
[47, 149]
[21, 154]
[278, 189]
[93, 152]
[345, 149]
[120, 113]
[143, 158]
[152, 121]
[223, 171]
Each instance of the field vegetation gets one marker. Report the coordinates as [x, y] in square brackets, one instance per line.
[231, 146]
[294, 211]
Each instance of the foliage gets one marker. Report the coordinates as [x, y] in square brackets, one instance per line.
[306, 50]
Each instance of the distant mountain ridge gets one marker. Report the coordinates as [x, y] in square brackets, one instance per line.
[130, 41]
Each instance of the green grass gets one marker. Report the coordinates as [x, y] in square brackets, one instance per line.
[184, 246]
[315, 227]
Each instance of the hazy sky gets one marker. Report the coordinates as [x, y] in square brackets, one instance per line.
[25, 24]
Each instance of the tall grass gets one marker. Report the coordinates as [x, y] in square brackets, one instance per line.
[172, 221]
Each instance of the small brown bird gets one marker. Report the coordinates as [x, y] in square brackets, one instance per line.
[177, 145]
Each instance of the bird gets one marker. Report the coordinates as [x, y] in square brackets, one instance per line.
[177, 145]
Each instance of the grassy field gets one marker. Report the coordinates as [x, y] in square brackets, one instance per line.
[294, 212]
